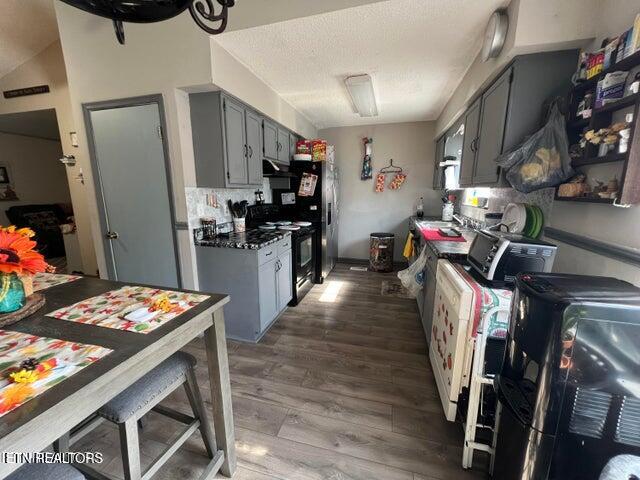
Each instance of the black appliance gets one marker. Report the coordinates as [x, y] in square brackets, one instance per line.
[320, 208]
[499, 256]
[569, 385]
[303, 246]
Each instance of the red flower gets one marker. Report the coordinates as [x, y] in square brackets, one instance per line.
[17, 254]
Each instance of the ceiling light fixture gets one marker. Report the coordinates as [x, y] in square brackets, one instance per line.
[360, 90]
[149, 11]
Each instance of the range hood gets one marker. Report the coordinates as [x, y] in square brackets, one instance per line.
[273, 169]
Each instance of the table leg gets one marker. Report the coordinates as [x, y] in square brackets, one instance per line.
[216, 346]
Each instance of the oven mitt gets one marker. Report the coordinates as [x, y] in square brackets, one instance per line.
[397, 181]
[380, 178]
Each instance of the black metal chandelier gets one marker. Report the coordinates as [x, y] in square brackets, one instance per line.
[149, 11]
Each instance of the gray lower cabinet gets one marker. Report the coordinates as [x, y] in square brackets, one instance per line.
[227, 141]
[258, 281]
[270, 140]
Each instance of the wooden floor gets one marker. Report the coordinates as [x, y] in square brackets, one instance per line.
[340, 388]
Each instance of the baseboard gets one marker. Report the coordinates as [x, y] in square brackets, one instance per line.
[361, 261]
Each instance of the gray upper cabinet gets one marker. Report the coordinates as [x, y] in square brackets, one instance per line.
[509, 110]
[471, 132]
[270, 139]
[225, 132]
[293, 140]
[283, 146]
[235, 134]
[438, 181]
[254, 147]
[492, 128]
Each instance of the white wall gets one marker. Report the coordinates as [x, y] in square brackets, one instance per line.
[534, 26]
[602, 222]
[47, 68]
[362, 211]
[34, 171]
[168, 58]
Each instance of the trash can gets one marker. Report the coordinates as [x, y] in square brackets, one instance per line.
[381, 252]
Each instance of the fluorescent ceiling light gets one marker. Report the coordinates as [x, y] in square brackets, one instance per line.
[360, 89]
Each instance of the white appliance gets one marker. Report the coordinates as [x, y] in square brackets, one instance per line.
[452, 316]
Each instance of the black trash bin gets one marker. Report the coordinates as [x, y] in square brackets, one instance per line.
[381, 252]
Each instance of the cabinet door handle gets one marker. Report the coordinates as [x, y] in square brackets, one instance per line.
[250, 152]
[246, 150]
[269, 254]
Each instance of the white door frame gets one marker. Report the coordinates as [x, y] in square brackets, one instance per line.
[87, 108]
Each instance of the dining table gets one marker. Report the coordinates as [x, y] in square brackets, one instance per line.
[36, 424]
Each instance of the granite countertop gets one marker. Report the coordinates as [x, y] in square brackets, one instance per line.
[253, 239]
[444, 249]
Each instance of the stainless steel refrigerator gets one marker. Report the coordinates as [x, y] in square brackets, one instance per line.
[319, 206]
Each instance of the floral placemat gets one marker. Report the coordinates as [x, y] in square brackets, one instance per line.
[44, 280]
[132, 308]
[30, 365]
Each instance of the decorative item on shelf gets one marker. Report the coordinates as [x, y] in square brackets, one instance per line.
[366, 173]
[203, 12]
[576, 187]
[625, 134]
[18, 262]
[605, 138]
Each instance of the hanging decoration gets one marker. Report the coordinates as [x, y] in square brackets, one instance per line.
[366, 163]
[397, 181]
[150, 11]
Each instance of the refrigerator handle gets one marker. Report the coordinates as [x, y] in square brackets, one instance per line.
[329, 213]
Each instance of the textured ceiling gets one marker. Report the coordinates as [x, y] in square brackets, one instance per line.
[415, 50]
[26, 28]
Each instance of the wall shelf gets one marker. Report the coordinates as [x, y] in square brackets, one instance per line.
[624, 102]
[629, 182]
[606, 201]
[611, 157]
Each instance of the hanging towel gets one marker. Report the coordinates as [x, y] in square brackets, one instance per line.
[408, 247]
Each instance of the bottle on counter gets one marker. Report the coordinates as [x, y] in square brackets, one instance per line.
[420, 208]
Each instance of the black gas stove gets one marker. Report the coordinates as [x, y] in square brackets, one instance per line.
[270, 218]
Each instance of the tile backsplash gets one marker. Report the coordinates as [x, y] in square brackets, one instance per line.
[197, 202]
[498, 198]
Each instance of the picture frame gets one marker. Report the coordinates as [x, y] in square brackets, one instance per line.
[4, 175]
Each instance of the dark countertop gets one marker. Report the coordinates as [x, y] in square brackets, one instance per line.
[449, 250]
[252, 239]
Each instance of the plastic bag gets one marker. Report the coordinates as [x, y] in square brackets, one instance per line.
[542, 160]
[412, 278]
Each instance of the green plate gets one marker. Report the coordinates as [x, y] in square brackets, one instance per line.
[539, 222]
[531, 221]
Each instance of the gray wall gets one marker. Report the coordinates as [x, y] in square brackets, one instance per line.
[362, 211]
[35, 172]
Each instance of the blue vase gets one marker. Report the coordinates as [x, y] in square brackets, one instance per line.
[12, 296]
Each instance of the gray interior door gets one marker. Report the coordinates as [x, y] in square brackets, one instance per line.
[132, 178]
[469, 145]
[494, 114]
[254, 148]
[236, 145]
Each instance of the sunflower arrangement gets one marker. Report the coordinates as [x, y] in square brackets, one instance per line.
[18, 259]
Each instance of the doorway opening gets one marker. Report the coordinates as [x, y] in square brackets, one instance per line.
[34, 190]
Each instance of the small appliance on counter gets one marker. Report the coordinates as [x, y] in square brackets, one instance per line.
[569, 401]
[499, 256]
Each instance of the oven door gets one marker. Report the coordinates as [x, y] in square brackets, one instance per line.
[305, 257]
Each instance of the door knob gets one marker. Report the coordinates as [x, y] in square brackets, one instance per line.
[111, 235]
